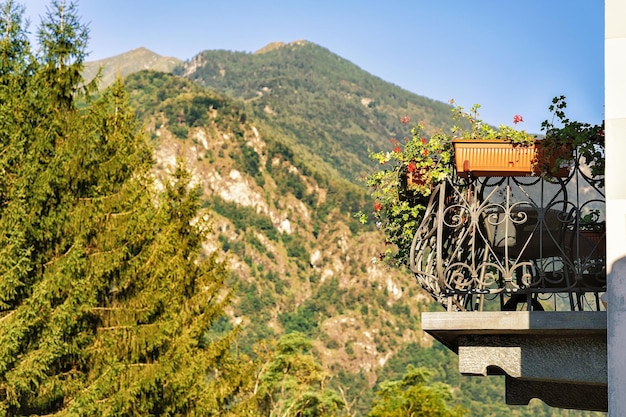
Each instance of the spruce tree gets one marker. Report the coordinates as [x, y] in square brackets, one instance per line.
[106, 303]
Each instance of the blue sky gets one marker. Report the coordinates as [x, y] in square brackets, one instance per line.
[512, 57]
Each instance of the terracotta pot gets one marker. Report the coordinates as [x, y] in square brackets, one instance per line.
[501, 158]
[591, 243]
[413, 184]
[419, 177]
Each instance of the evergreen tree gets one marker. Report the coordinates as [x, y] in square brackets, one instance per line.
[105, 301]
[63, 39]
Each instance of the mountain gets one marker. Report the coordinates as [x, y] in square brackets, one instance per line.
[327, 106]
[277, 140]
[300, 260]
[128, 63]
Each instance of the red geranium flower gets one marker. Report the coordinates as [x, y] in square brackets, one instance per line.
[412, 167]
[423, 141]
[397, 149]
[377, 206]
[517, 118]
[404, 119]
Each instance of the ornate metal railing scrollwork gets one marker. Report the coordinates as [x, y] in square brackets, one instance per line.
[513, 242]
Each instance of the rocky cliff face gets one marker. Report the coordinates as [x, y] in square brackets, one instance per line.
[300, 260]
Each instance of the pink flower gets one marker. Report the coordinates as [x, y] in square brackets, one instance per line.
[517, 118]
[405, 119]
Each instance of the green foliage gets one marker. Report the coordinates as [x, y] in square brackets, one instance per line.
[63, 41]
[587, 139]
[286, 180]
[244, 218]
[188, 110]
[328, 300]
[296, 249]
[249, 162]
[303, 320]
[293, 383]
[183, 104]
[255, 301]
[482, 131]
[412, 396]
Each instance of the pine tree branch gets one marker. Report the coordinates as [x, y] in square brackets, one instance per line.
[128, 327]
[7, 315]
[123, 213]
[57, 258]
[119, 308]
[104, 197]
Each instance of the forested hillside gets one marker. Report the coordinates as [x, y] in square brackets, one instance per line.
[185, 244]
[326, 105]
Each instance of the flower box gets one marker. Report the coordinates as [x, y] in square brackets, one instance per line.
[502, 158]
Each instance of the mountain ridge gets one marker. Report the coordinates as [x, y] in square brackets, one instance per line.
[319, 99]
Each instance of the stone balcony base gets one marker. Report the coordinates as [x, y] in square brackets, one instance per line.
[558, 357]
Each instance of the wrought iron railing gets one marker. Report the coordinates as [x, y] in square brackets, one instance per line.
[512, 243]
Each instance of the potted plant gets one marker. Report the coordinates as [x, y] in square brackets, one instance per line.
[585, 138]
[414, 166]
[484, 150]
[591, 239]
[590, 221]
[401, 188]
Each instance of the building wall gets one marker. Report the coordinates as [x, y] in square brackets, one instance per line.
[615, 117]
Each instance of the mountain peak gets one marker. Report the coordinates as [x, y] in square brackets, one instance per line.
[128, 62]
[276, 45]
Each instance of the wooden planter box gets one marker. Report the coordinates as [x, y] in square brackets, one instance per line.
[501, 158]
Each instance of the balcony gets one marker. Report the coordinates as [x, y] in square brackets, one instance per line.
[518, 264]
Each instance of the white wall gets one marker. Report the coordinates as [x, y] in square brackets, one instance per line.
[615, 115]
